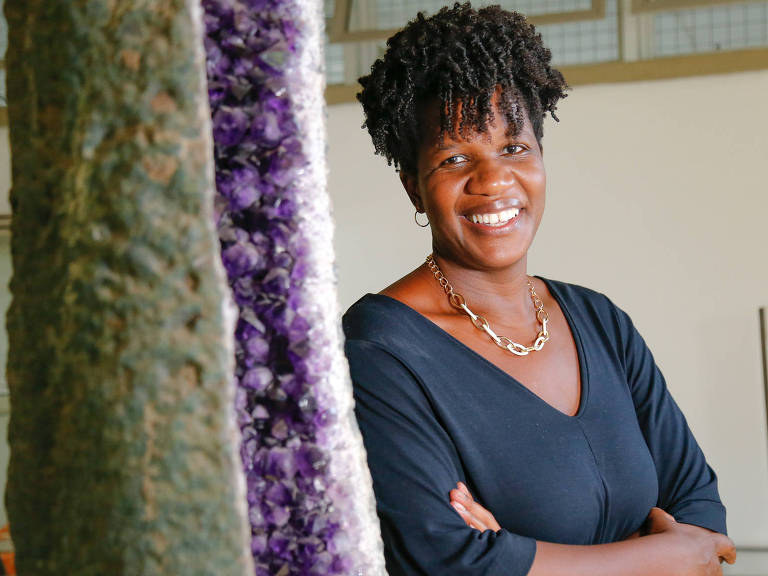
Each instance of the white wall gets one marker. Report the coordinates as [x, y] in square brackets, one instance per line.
[657, 196]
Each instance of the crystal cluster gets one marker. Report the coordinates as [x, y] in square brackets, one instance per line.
[309, 492]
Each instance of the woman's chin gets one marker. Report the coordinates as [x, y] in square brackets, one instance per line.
[496, 246]
[488, 257]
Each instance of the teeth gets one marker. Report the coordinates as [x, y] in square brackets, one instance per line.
[495, 218]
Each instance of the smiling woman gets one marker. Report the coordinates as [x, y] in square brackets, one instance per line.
[514, 424]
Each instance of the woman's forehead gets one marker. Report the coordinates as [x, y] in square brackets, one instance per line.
[432, 130]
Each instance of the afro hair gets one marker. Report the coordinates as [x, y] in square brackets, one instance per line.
[459, 54]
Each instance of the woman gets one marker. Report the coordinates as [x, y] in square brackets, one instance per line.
[538, 397]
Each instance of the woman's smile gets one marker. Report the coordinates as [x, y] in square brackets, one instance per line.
[494, 222]
[495, 218]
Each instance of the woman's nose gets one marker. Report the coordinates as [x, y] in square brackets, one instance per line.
[490, 177]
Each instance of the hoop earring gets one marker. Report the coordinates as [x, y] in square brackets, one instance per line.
[415, 217]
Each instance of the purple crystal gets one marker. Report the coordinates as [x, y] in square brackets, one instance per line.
[278, 515]
[252, 48]
[258, 544]
[257, 378]
[279, 544]
[311, 461]
[229, 125]
[241, 258]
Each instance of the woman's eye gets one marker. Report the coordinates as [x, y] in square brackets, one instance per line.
[453, 160]
[514, 149]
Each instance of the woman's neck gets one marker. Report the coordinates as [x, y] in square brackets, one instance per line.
[501, 292]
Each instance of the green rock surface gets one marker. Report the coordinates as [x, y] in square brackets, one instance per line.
[123, 443]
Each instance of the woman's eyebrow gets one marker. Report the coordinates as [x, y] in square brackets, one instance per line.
[445, 146]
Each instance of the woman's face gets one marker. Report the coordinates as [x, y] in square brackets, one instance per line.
[484, 195]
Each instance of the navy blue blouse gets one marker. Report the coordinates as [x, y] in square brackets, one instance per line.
[432, 412]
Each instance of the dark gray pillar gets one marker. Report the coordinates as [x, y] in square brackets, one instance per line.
[123, 441]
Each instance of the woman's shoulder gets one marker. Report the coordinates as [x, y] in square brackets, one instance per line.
[391, 316]
[380, 319]
[368, 312]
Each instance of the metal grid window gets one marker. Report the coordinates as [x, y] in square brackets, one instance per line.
[397, 13]
[328, 6]
[712, 29]
[579, 42]
[334, 63]
[584, 42]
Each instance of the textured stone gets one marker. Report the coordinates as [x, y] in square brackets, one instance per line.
[124, 445]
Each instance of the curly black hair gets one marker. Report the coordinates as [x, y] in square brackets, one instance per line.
[462, 55]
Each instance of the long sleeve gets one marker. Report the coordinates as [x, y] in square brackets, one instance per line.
[687, 484]
[414, 465]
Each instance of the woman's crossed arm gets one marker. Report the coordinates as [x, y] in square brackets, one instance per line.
[667, 548]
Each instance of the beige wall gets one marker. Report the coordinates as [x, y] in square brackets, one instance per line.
[657, 196]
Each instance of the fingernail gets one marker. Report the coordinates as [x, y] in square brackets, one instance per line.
[458, 506]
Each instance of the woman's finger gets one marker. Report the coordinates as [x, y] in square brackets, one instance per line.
[463, 488]
[478, 512]
[726, 549]
[467, 509]
[468, 517]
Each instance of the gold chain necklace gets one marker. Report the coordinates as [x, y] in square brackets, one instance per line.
[458, 302]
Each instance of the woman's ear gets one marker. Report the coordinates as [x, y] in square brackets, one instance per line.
[411, 186]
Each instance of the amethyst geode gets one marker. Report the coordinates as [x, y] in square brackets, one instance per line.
[309, 491]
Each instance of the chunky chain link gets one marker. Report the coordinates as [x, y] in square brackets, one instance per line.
[458, 302]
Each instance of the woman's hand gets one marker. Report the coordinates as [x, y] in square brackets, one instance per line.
[702, 550]
[470, 511]
[693, 550]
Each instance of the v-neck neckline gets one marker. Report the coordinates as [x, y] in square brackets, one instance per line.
[580, 352]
